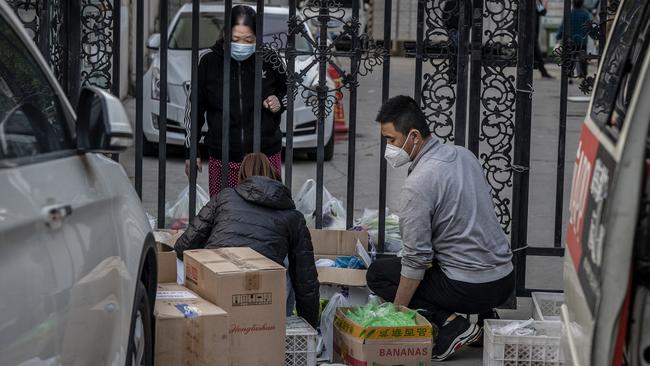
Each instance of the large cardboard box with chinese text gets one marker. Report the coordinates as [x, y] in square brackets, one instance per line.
[252, 289]
[189, 329]
[386, 346]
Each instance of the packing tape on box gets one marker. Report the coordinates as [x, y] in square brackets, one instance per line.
[192, 341]
[236, 260]
[252, 281]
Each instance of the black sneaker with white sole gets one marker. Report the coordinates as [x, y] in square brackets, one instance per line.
[453, 336]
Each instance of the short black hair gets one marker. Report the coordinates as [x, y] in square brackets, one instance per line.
[404, 112]
[578, 3]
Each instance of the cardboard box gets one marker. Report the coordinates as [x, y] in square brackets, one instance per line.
[165, 241]
[386, 346]
[336, 243]
[189, 329]
[252, 289]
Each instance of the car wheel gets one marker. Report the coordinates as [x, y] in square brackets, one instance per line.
[140, 348]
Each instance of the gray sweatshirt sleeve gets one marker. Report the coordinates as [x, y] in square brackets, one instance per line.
[416, 214]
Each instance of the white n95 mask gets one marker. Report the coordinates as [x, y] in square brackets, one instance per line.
[397, 156]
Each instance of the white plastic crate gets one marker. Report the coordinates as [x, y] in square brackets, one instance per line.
[544, 348]
[300, 343]
[546, 305]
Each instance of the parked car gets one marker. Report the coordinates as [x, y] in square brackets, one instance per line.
[78, 262]
[179, 78]
[607, 266]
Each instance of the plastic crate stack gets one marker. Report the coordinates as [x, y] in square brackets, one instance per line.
[300, 343]
[546, 305]
[542, 348]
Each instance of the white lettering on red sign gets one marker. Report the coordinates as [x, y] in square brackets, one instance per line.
[579, 190]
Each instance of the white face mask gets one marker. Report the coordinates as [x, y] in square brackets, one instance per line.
[397, 156]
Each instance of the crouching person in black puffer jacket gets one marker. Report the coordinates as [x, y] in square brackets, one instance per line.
[259, 213]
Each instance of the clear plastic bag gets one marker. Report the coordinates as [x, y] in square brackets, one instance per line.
[177, 212]
[327, 322]
[334, 215]
[333, 211]
[370, 222]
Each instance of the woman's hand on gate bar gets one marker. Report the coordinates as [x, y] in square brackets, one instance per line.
[199, 166]
[272, 103]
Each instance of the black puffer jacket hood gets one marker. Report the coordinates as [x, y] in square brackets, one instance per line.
[263, 192]
[260, 214]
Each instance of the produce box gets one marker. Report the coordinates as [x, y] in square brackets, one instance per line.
[386, 346]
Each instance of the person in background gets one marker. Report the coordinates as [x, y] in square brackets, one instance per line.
[456, 258]
[260, 214]
[580, 20]
[242, 102]
[540, 11]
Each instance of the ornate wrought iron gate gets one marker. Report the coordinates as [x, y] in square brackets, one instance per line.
[77, 38]
[473, 78]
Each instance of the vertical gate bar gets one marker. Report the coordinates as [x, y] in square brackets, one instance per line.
[523, 111]
[602, 34]
[115, 77]
[385, 84]
[195, 106]
[162, 113]
[74, 50]
[63, 42]
[561, 143]
[475, 77]
[461, 50]
[257, 128]
[322, 99]
[117, 43]
[43, 30]
[291, 87]
[225, 127]
[139, 90]
[352, 131]
[419, 53]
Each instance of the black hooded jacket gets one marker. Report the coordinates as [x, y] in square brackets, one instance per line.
[260, 214]
[242, 105]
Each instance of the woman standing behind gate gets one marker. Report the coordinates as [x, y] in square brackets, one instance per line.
[242, 101]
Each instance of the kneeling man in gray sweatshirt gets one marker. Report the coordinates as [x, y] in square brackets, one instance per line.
[456, 258]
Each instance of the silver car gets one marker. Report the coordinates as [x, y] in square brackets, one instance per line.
[78, 262]
[179, 77]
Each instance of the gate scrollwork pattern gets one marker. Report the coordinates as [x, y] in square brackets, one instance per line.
[367, 54]
[498, 99]
[97, 43]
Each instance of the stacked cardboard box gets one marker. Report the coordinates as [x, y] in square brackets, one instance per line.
[189, 329]
[252, 289]
[165, 240]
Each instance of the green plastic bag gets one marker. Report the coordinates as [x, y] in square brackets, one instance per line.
[384, 315]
